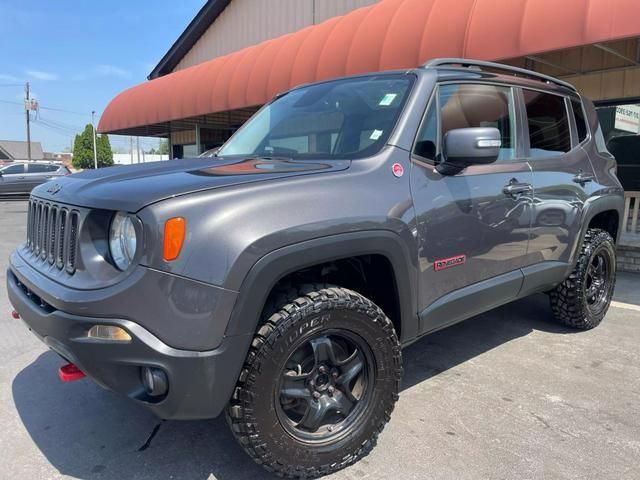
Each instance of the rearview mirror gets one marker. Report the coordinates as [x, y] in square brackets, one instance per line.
[469, 146]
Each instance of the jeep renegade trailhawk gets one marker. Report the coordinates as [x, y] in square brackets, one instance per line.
[277, 281]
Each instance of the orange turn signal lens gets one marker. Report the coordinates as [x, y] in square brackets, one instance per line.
[174, 229]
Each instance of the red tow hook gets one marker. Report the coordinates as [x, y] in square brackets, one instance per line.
[70, 373]
[15, 314]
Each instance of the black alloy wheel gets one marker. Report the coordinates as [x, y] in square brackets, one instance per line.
[325, 386]
[583, 299]
[597, 281]
[319, 383]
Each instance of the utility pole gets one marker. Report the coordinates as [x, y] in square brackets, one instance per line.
[131, 148]
[138, 148]
[95, 150]
[27, 109]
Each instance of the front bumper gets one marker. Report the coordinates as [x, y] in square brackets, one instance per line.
[200, 383]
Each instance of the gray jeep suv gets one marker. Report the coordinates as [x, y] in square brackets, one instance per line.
[278, 281]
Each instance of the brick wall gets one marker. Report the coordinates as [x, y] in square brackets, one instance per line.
[628, 258]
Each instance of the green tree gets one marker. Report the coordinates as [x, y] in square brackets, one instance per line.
[83, 150]
[163, 149]
[105, 153]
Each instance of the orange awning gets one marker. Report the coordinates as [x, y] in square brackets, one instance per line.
[392, 34]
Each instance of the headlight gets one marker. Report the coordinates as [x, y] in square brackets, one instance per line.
[122, 240]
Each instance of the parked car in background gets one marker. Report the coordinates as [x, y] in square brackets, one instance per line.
[626, 149]
[20, 178]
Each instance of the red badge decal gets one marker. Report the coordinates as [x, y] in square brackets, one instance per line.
[397, 169]
[449, 262]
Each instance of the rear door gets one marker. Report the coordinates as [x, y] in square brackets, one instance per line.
[38, 173]
[13, 179]
[563, 177]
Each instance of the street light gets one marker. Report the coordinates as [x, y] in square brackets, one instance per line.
[95, 151]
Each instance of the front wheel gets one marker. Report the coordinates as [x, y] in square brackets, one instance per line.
[582, 300]
[319, 384]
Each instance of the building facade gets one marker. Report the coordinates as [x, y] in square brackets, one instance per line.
[223, 27]
[600, 54]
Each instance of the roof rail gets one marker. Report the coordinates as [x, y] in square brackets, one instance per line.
[465, 62]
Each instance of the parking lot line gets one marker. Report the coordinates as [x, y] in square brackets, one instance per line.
[627, 306]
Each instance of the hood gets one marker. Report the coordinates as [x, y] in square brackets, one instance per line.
[133, 187]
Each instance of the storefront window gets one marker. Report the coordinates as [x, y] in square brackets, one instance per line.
[621, 130]
[189, 151]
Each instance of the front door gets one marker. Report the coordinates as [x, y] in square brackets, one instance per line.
[473, 227]
[563, 177]
[13, 179]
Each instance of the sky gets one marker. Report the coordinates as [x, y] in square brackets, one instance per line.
[77, 55]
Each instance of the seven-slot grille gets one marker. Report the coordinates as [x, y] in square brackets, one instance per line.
[52, 234]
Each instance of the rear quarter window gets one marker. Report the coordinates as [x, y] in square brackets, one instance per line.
[581, 121]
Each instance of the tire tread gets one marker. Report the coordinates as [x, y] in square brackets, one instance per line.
[296, 303]
[566, 299]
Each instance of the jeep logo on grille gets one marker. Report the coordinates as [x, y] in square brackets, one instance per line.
[449, 262]
[55, 188]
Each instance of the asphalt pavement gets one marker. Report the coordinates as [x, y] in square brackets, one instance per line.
[505, 395]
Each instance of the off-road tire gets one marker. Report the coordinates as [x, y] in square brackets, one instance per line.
[252, 413]
[569, 301]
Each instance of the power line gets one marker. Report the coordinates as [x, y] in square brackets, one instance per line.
[12, 102]
[61, 124]
[40, 107]
[55, 128]
[85, 114]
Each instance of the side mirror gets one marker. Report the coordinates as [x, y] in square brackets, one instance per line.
[469, 146]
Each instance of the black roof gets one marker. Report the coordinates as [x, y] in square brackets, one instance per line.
[203, 20]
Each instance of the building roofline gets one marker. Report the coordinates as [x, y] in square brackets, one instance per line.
[6, 153]
[188, 38]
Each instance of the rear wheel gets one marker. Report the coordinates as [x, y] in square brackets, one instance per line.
[319, 384]
[582, 300]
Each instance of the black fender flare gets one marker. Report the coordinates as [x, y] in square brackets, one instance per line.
[594, 206]
[266, 272]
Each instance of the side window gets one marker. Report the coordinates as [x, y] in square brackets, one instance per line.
[471, 105]
[427, 141]
[37, 168]
[549, 133]
[19, 168]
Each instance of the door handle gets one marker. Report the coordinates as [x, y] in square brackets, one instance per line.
[516, 188]
[20, 178]
[583, 178]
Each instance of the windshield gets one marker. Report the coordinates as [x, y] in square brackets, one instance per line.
[212, 152]
[342, 119]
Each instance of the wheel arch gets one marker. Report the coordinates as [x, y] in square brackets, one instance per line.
[273, 267]
[603, 212]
